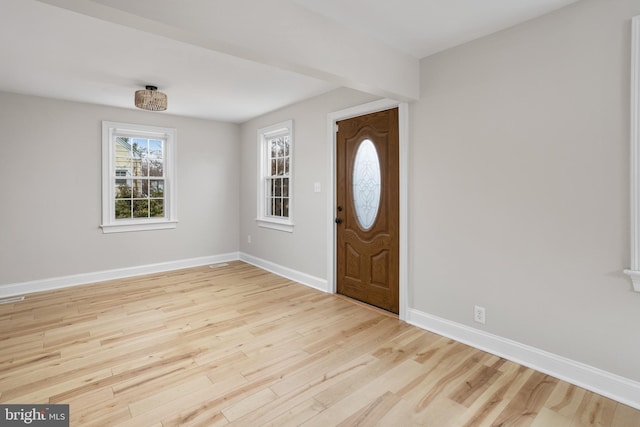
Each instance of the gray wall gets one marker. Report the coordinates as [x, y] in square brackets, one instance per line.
[519, 194]
[305, 249]
[50, 170]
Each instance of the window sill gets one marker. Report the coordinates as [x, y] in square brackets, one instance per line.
[635, 279]
[275, 224]
[138, 226]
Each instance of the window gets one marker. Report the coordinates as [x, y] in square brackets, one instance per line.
[138, 177]
[275, 180]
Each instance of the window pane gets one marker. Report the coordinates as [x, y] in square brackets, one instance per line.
[285, 207]
[286, 145]
[280, 166]
[145, 188]
[285, 187]
[273, 167]
[138, 158]
[286, 166]
[123, 189]
[278, 207]
[140, 147]
[156, 167]
[136, 167]
[140, 208]
[123, 148]
[123, 209]
[124, 164]
[156, 151]
[156, 208]
[140, 188]
[124, 142]
[277, 187]
[144, 166]
[156, 188]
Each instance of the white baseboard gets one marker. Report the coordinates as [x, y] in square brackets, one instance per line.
[101, 276]
[303, 278]
[596, 380]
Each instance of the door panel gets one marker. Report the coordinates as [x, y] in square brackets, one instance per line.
[367, 218]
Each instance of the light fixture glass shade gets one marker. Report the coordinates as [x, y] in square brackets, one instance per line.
[150, 99]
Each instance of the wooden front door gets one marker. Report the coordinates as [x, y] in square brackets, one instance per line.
[367, 204]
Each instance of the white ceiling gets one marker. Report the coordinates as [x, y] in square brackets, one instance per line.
[424, 27]
[234, 60]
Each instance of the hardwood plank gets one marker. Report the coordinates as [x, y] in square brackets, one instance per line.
[297, 415]
[547, 417]
[151, 401]
[208, 410]
[239, 346]
[524, 407]
[594, 410]
[625, 416]
[249, 404]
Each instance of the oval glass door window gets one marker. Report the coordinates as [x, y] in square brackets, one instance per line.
[366, 184]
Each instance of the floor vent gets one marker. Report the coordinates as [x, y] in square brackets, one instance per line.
[223, 264]
[10, 300]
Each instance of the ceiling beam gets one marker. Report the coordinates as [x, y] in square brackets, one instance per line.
[279, 33]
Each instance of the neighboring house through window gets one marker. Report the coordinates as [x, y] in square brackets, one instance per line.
[138, 178]
[275, 186]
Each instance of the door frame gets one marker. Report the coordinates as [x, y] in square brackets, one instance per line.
[403, 134]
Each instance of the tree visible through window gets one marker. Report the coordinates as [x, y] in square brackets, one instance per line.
[138, 177]
[275, 186]
[141, 195]
[277, 202]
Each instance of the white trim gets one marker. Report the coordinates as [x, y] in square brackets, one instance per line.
[601, 382]
[275, 224]
[634, 270]
[101, 276]
[403, 133]
[403, 129]
[297, 276]
[635, 278]
[142, 226]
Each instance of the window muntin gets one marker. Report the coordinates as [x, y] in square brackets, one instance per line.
[277, 182]
[275, 176]
[142, 159]
[138, 177]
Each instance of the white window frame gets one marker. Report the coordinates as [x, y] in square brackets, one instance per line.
[634, 269]
[264, 134]
[109, 223]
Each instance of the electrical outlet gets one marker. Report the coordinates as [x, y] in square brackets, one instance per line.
[479, 314]
[249, 238]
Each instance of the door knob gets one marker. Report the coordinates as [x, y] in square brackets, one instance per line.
[338, 220]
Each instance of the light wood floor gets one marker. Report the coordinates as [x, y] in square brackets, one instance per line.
[239, 346]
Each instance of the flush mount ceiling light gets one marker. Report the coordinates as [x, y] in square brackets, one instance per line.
[150, 99]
